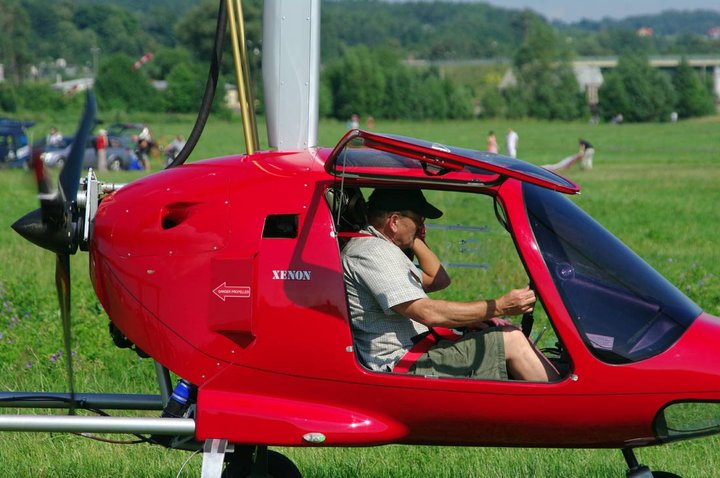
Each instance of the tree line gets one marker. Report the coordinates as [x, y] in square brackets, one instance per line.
[364, 45]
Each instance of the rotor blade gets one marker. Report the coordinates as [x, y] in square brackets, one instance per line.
[62, 284]
[70, 174]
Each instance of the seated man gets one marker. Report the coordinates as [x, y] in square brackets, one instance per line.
[390, 309]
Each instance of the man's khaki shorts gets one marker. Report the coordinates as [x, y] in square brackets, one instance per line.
[479, 355]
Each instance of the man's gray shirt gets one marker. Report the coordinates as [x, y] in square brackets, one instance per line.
[378, 276]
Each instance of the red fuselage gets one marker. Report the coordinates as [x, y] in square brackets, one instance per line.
[259, 323]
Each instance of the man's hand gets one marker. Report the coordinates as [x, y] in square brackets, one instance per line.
[420, 234]
[516, 302]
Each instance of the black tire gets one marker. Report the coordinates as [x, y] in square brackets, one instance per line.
[279, 466]
[664, 474]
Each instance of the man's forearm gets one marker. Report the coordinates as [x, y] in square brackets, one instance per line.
[434, 275]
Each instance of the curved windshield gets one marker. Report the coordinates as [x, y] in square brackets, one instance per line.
[625, 311]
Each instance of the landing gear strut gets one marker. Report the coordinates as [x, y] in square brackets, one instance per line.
[636, 470]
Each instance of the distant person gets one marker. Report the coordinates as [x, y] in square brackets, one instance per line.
[144, 146]
[618, 119]
[101, 144]
[54, 137]
[354, 122]
[370, 123]
[673, 117]
[172, 149]
[492, 146]
[142, 151]
[511, 142]
[584, 156]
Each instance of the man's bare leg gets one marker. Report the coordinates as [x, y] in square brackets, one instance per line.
[524, 361]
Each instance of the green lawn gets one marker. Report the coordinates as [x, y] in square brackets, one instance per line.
[655, 186]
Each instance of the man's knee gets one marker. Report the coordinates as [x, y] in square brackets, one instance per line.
[515, 342]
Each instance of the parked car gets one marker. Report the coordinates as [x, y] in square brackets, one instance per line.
[127, 130]
[120, 154]
[14, 149]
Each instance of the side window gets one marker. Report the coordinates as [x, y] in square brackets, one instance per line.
[480, 257]
[473, 246]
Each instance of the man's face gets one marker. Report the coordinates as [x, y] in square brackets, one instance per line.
[407, 226]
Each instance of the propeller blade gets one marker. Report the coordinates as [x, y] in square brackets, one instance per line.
[70, 174]
[52, 225]
[62, 284]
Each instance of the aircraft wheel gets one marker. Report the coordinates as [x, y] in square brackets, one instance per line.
[664, 474]
[279, 466]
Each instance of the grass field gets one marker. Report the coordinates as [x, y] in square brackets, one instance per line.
[655, 186]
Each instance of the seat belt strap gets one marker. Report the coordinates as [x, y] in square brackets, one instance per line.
[354, 234]
[425, 342]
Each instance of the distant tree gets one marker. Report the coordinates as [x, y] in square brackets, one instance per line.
[118, 87]
[492, 104]
[693, 97]
[400, 94]
[637, 90]
[8, 98]
[357, 83]
[116, 29]
[196, 30]
[618, 40]
[184, 89]
[35, 96]
[376, 83]
[325, 106]
[165, 59]
[614, 98]
[14, 40]
[159, 23]
[516, 102]
[545, 78]
[459, 100]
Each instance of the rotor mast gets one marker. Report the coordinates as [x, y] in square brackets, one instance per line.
[291, 72]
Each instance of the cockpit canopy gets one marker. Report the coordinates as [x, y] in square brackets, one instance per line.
[397, 158]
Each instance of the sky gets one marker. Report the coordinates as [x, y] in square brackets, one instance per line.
[574, 10]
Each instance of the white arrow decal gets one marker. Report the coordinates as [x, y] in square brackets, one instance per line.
[223, 291]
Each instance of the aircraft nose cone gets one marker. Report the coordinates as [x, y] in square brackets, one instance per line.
[32, 228]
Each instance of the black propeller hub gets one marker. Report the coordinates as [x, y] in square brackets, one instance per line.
[51, 230]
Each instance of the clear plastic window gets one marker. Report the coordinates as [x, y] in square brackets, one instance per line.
[623, 308]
